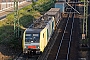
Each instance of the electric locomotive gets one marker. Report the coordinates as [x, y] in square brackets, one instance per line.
[36, 37]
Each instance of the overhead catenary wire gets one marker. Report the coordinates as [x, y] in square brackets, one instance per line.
[73, 8]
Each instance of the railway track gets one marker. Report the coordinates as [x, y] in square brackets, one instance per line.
[67, 49]
[66, 43]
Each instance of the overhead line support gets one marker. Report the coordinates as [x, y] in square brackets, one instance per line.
[16, 19]
[85, 17]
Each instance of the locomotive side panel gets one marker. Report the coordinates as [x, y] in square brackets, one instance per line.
[45, 34]
[43, 39]
[50, 28]
[23, 42]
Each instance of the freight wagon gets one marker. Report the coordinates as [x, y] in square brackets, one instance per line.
[54, 12]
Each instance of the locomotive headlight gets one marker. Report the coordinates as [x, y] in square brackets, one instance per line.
[31, 41]
[25, 47]
[38, 47]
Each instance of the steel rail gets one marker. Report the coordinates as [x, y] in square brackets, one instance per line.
[70, 40]
[62, 39]
[70, 37]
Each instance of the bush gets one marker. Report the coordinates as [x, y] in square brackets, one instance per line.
[10, 17]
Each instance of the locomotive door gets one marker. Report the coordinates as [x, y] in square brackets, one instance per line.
[43, 41]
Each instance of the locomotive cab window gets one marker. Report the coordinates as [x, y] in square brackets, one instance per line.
[36, 37]
[32, 38]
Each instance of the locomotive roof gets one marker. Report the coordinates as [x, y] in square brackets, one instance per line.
[40, 23]
[43, 20]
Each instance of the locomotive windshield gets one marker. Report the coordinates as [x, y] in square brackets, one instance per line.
[32, 38]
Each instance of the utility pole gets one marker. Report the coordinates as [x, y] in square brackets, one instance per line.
[84, 35]
[85, 17]
[16, 19]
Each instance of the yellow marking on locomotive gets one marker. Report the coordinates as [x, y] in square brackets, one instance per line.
[23, 41]
[43, 39]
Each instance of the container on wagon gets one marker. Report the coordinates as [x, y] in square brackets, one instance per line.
[60, 5]
[55, 12]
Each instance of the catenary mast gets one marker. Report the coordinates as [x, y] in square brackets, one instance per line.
[85, 32]
[16, 19]
[85, 17]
